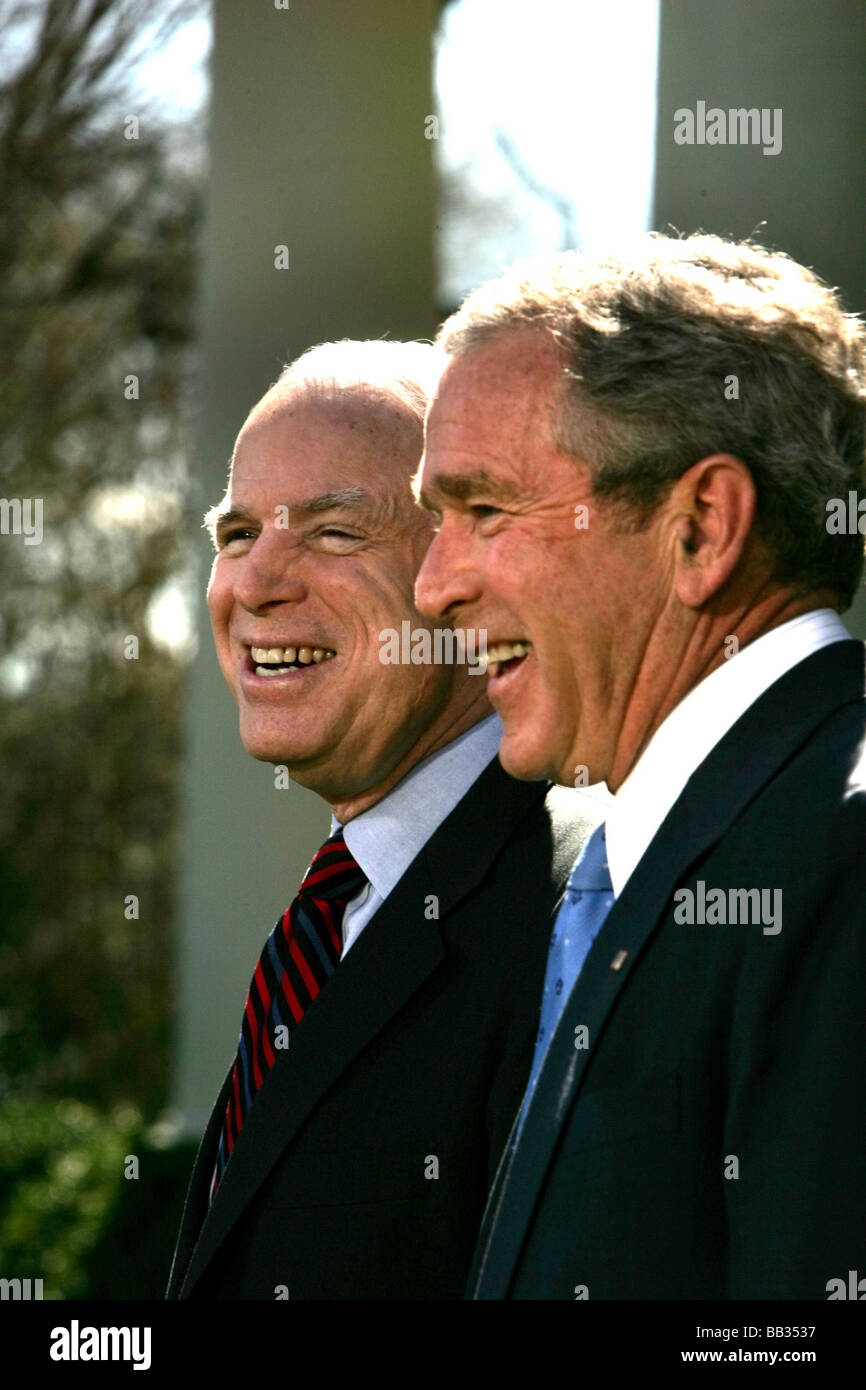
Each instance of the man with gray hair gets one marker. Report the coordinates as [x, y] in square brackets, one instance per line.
[354, 1162]
[640, 465]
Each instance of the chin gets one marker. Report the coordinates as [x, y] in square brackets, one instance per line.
[267, 753]
[527, 764]
[268, 748]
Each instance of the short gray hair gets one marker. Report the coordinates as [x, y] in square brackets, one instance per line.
[648, 343]
[406, 371]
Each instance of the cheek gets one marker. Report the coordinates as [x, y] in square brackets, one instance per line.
[215, 608]
[555, 698]
[219, 601]
[517, 565]
[415, 552]
[382, 601]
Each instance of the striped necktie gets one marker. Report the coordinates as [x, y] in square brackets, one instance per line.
[298, 959]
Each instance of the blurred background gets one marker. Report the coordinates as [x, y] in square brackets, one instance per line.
[191, 194]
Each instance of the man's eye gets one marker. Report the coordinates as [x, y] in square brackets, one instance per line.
[239, 533]
[337, 541]
[482, 512]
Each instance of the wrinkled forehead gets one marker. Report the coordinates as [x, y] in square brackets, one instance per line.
[495, 402]
[500, 384]
[348, 448]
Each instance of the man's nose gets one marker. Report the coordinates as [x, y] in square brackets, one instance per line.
[448, 578]
[269, 573]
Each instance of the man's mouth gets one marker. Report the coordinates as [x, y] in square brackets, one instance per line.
[273, 661]
[506, 656]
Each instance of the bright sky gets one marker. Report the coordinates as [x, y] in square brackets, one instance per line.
[572, 84]
[177, 76]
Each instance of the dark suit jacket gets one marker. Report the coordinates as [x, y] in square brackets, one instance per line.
[709, 1140]
[363, 1166]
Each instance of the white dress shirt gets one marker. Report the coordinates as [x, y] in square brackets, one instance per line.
[384, 839]
[696, 725]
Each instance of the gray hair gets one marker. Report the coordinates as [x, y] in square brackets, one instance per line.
[406, 371]
[650, 346]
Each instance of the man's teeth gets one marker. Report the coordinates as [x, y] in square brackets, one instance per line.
[265, 658]
[501, 652]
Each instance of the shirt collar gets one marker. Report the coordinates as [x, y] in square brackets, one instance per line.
[384, 839]
[696, 725]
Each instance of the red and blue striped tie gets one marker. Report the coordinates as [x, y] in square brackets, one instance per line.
[299, 957]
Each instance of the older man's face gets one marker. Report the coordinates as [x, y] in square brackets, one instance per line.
[297, 609]
[573, 605]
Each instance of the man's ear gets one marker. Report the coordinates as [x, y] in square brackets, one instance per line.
[712, 510]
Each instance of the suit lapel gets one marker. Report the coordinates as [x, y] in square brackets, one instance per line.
[382, 970]
[393, 957]
[503, 1168]
[195, 1207]
[733, 774]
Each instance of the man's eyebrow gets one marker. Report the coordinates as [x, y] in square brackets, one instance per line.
[218, 518]
[459, 486]
[374, 509]
[358, 499]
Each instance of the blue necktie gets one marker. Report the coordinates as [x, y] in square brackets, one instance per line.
[587, 901]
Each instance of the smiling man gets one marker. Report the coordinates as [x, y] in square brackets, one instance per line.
[388, 1032]
[633, 462]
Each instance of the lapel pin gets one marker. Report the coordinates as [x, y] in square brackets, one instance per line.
[618, 960]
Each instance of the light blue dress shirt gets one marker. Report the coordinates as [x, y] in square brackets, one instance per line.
[385, 839]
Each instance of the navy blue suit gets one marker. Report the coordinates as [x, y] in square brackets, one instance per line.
[709, 1140]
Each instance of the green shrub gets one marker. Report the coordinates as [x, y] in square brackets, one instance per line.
[74, 1213]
